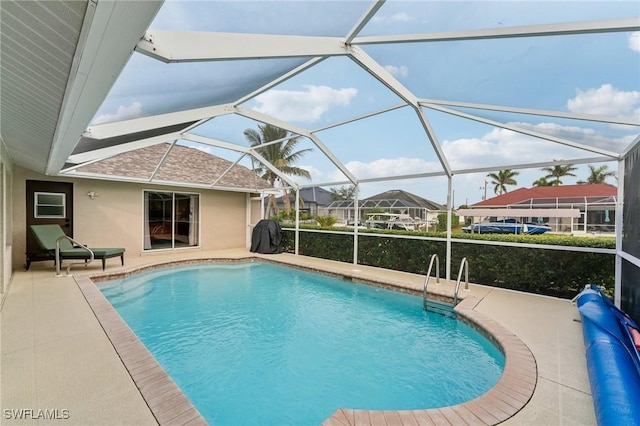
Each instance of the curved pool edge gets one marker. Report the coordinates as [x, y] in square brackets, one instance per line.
[163, 397]
[511, 393]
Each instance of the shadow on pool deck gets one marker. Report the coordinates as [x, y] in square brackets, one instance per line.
[56, 355]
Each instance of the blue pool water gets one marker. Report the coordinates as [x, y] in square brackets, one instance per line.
[262, 344]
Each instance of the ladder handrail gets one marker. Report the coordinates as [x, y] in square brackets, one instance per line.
[426, 280]
[59, 260]
[463, 265]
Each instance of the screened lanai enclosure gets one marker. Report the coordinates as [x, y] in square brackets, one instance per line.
[427, 97]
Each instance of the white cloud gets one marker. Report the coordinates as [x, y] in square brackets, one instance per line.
[606, 100]
[387, 167]
[401, 17]
[396, 17]
[315, 173]
[303, 106]
[505, 147]
[123, 113]
[583, 135]
[395, 71]
[207, 149]
[634, 41]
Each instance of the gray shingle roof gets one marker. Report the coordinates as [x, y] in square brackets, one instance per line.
[395, 198]
[314, 194]
[183, 164]
[408, 199]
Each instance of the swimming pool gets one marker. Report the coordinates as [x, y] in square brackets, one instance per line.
[256, 343]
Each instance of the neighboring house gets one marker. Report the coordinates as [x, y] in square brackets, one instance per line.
[596, 203]
[392, 201]
[313, 200]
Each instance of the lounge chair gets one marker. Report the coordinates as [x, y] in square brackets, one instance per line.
[48, 236]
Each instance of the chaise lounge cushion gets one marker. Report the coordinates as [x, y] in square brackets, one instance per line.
[46, 236]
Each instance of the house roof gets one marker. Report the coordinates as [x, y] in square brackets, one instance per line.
[314, 194]
[395, 198]
[552, 194]
[182, 165]
[407, 198]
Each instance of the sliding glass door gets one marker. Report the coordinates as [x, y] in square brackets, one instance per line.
[172, 220]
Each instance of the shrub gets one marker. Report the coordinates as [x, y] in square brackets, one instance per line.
[326, 221]
[442, 221]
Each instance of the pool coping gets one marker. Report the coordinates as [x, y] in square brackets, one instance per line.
[169, 405]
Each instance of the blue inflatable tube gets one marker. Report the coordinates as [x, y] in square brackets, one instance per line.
[613, 361]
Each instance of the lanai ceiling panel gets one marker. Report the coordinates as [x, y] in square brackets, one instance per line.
[308, 18]
[493, 148]
[437, 16]
[154, 84]
[373, 147]
[149, 87]
[610, 133]
[494, 71]
[228, 128]
[312, 159]
[35, 61]
[342, 88]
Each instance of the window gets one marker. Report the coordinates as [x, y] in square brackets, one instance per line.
[50, 205]
[171, 220]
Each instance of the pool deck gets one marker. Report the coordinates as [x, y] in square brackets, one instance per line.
[67, 367]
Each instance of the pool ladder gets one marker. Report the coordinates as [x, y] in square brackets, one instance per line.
[439, 306]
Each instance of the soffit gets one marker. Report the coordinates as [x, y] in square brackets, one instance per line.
[38, 45]
[57, 63]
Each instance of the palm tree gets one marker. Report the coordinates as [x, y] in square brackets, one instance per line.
[542, 182]
[558, 171]
[343, 193]
[501, 179]
[600, 174]
[282, 155]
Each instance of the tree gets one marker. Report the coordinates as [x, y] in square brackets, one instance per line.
[559, 171]
[600, 174]
[542, 182]
[282, 155]
[343, 193]
[501, 179]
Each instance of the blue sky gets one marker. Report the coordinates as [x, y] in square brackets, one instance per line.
[591, 74]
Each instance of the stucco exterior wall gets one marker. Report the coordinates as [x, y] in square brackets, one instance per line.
[115, 217]
[6, 237]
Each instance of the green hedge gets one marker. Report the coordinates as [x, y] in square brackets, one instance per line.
[324, 246]
[549, 272]
[541, 271]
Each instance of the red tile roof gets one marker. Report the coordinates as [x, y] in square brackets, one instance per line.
[522, 195]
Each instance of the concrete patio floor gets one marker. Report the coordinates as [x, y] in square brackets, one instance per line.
[57, 357]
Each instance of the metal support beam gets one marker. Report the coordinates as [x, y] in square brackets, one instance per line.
[199, 46]
[542, 30]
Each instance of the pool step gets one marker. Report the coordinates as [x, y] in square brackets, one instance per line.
[439, 307]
